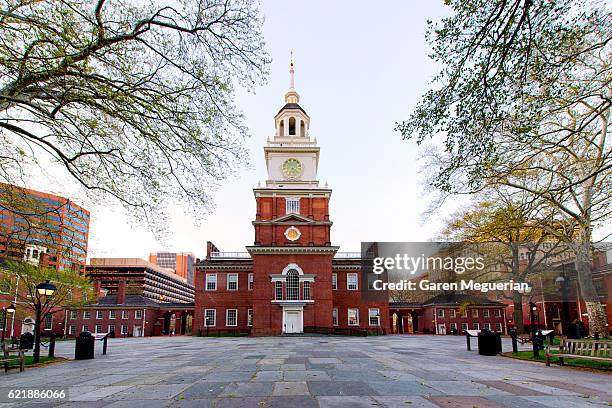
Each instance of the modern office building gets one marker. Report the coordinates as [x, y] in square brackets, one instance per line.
[292, 279]
[52, 222]
[182, 263]
[152, 281]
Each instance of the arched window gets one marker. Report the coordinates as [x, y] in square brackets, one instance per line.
[302, 129]
[291, 126]
[281, 128]
[293, 285]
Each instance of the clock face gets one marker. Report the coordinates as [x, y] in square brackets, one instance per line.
[292, 233]
[292, 168]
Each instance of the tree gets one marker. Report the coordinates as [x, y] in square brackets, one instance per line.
[20, 280]
[502, 227]
[525, 103]
[132, 100]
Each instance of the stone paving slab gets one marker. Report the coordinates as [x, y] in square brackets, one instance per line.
[304, 372]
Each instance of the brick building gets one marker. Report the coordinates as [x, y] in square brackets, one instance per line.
[448, 313]
[292, 279]
[128, 313]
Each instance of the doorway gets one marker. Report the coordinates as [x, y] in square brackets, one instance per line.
[293, 321]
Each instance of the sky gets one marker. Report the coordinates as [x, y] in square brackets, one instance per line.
[359, 69]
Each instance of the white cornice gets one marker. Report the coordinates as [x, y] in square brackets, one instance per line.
[314, 250]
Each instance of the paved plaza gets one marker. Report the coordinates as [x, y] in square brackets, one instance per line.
[302, 372]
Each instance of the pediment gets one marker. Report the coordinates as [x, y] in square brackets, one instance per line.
[293, 218]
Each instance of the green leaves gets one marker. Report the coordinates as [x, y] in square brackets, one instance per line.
[134, 101]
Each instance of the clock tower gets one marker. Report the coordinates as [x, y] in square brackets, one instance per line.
[292, 253]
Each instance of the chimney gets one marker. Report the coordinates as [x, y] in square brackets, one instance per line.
[97, 286]
[121, 292]
[43, 260]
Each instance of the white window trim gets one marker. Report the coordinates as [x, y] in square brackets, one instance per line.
[99, 314]
[476, 326]
[85, 328]
[250, 283]
[441, 315]
[377, 317]
[250, 317]
[110, 314]
[210, 275]
[227, 317]
[486, 313]
[356, 281]
[335, 312]
[214, 318]
[334, 281]
[136, 312]
[475, 313]
[292, 205]
[497, 313]
[453, 313]
[348, 316]
[227, 283]
[86, 315]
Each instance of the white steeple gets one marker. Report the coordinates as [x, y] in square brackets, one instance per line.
[292, 157]
[292, 96]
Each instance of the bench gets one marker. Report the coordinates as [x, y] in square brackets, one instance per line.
[582, 349]
[6, 357]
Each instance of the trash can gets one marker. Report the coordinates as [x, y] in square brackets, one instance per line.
[26, 341]
[489, 343]
[84, 348]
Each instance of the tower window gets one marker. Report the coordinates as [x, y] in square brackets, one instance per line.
[278, 290]
[292, 205]
[281, 129]
[293, 285]
[302, 129]
[291, 126]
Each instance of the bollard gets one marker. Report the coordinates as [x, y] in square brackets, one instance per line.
[467, 336]
[104, 345]
[52, 345]
[514, 345]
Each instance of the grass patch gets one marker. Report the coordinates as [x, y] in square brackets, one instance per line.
[572, 362]
[29, 360]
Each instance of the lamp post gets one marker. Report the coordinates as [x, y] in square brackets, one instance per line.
[534, 343]
[43, 290]
[564, 282]
[5, 310]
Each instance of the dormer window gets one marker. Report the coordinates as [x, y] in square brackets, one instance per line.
[292, 126]
[292, 205]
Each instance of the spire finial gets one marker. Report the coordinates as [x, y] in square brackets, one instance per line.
[291, 73]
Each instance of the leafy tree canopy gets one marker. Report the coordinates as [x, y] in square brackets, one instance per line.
[133, 99]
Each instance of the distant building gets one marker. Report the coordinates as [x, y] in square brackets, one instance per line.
[128, 313]
[31, 219]
[135, 298]
[154, 282]
[182, 263]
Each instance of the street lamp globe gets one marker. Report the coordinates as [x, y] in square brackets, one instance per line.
[11, 308]
[560, 280]
[46, 288]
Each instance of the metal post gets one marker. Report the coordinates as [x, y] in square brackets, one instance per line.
[104, 342]
[514, 345]
[3, 323]
[534, 343]
[52, 346]
[467, 336]
[37, 333]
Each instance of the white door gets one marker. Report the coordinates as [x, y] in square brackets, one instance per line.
[292, 322]
[441, 328]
